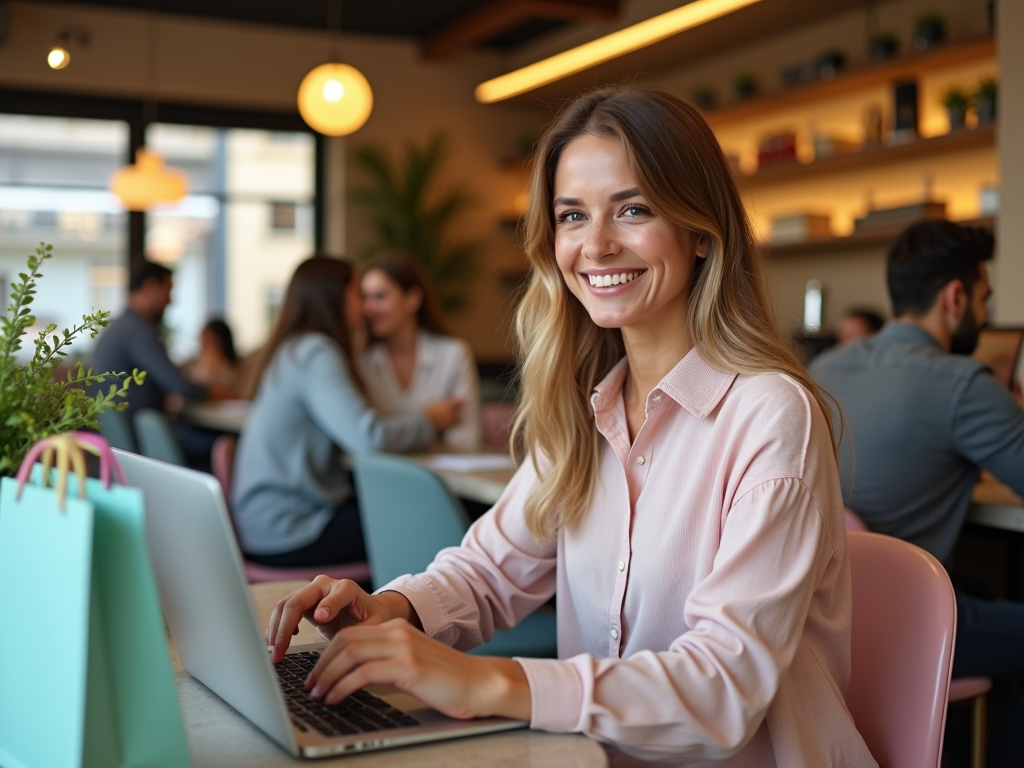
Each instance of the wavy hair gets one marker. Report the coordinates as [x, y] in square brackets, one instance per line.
[682, 173]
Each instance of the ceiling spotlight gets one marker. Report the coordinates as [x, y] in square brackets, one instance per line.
[58, 57]
[67, 40]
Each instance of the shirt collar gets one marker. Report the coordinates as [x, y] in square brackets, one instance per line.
[692, 383]
[898, 331]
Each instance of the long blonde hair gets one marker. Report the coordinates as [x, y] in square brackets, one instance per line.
[681, 171]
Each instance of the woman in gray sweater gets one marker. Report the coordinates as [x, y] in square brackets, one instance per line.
[293, 500]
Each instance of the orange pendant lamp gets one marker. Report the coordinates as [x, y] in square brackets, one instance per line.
[335, 99]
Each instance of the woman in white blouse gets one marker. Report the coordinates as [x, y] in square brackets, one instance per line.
[411, 360]
[679, 489]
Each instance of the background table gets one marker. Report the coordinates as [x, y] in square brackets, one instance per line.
[219, 737]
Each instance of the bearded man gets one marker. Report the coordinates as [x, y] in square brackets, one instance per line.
[923, 417]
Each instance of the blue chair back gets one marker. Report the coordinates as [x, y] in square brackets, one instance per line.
[116, 429]
[157, 439]
[408, 516]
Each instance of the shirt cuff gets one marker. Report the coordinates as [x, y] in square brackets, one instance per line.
[427, 604]
[556, 694]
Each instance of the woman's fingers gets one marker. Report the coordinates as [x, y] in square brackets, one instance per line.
[288, 612]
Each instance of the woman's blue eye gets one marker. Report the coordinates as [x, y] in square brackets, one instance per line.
[571, 216]
[635, 210]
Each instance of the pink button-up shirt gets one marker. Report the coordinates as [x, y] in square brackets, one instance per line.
[703, 601]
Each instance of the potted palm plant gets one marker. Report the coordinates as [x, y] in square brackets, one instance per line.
[929, 30]
[956, 100]
[407, 212]
[33, 403]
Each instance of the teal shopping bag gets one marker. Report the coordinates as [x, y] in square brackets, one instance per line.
[85, 676]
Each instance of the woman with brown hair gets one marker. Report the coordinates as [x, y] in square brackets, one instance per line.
[411, 359]
[678, 491]
[292, 497]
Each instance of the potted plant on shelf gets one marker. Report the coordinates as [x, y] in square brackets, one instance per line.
[744, 85]
[985, 100]
[956, 100]
[929, 30]
[33, 403]
[882, 46]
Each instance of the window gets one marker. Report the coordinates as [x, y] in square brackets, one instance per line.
[282, 217]
[53, 188]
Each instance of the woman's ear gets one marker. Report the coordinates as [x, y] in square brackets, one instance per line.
[413, 300]
[703, 245]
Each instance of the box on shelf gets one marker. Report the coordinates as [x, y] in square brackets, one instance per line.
[800, 228]
[777, 148]
[904, 215]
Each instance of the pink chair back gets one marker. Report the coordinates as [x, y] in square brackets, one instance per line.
[853, 521]
[904, 622]
[222, 460]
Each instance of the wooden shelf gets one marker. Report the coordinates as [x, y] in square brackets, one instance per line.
[873, 238]
[876, 74]
[868, 157]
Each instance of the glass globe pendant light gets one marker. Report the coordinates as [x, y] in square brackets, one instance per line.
[335, 99]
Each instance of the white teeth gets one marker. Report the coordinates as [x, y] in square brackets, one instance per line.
[605, 281]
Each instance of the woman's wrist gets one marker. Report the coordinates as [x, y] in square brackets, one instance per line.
[506, 690]
[398, 606]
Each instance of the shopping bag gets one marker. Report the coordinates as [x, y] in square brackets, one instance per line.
[85, 675]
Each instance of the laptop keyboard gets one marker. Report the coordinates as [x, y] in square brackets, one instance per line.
[361, 712]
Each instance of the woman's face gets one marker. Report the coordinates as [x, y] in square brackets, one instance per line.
[627, 265]
[353, 306]
[386, 306]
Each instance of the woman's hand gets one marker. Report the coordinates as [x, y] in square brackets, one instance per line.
[395, 653]
[329, 605]
[443, 413]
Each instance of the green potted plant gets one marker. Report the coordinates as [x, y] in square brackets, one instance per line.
[33, 404]
[956, 100]
[929, 30]
[882, 46]
[407, 213]
[985, 100]
[744, 85]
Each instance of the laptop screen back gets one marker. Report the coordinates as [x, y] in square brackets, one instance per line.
[999, 349]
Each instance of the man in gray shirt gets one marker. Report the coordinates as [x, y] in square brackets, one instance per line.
[922, 418]
[133, 341]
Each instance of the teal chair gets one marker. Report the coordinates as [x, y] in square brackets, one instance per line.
[156, 438]
[116, 429]
[408, 516]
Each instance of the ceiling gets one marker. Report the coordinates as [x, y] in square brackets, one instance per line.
[455, 24]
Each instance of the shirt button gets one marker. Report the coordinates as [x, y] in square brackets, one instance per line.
[615, 634]
[622, 565]
[640, 460]
[657, 398]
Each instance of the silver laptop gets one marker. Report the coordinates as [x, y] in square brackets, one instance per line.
[209, 611]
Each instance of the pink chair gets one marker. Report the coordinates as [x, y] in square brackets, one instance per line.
[904, 622]
[960, 688]
[496, 424]
[222, 459]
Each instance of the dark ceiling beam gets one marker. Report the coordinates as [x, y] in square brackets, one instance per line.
[502, 15]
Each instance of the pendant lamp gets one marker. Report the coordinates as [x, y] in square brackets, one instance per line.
[148, 182]
[335, 99]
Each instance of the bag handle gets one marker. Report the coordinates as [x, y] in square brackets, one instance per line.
[67, 448]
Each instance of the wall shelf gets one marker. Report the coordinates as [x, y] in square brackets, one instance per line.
[955, 141]
[876, 74]
[881, 237]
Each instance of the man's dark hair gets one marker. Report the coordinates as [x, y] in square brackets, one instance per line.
[145, 271]
[869, 317]
[928, 256]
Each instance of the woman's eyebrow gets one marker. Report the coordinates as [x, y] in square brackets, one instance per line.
[566, 201]
[624, 195]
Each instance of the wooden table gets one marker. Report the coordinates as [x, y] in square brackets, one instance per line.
[218, 737]
[221, 415]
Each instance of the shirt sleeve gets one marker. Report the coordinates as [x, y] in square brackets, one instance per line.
[149, 354]
[338, 407]
[988, 429]
[466, 435]
[498, 575]
[704, 697]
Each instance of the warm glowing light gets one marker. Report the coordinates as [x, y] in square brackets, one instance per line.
[335, 99]
[148, 182]
[605, 48]
[58, 58]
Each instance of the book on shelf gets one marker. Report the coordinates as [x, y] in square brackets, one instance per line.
[903, 215]
[800, 228]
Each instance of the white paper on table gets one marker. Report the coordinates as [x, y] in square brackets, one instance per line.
[472, 462]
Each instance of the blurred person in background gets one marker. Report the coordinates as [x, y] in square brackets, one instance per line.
[858, 323]
[294, 504]
[411, 359]
[217, 363]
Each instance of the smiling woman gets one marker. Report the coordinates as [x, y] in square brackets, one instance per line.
[678, 491]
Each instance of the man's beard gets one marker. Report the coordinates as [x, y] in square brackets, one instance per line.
[965, 337]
